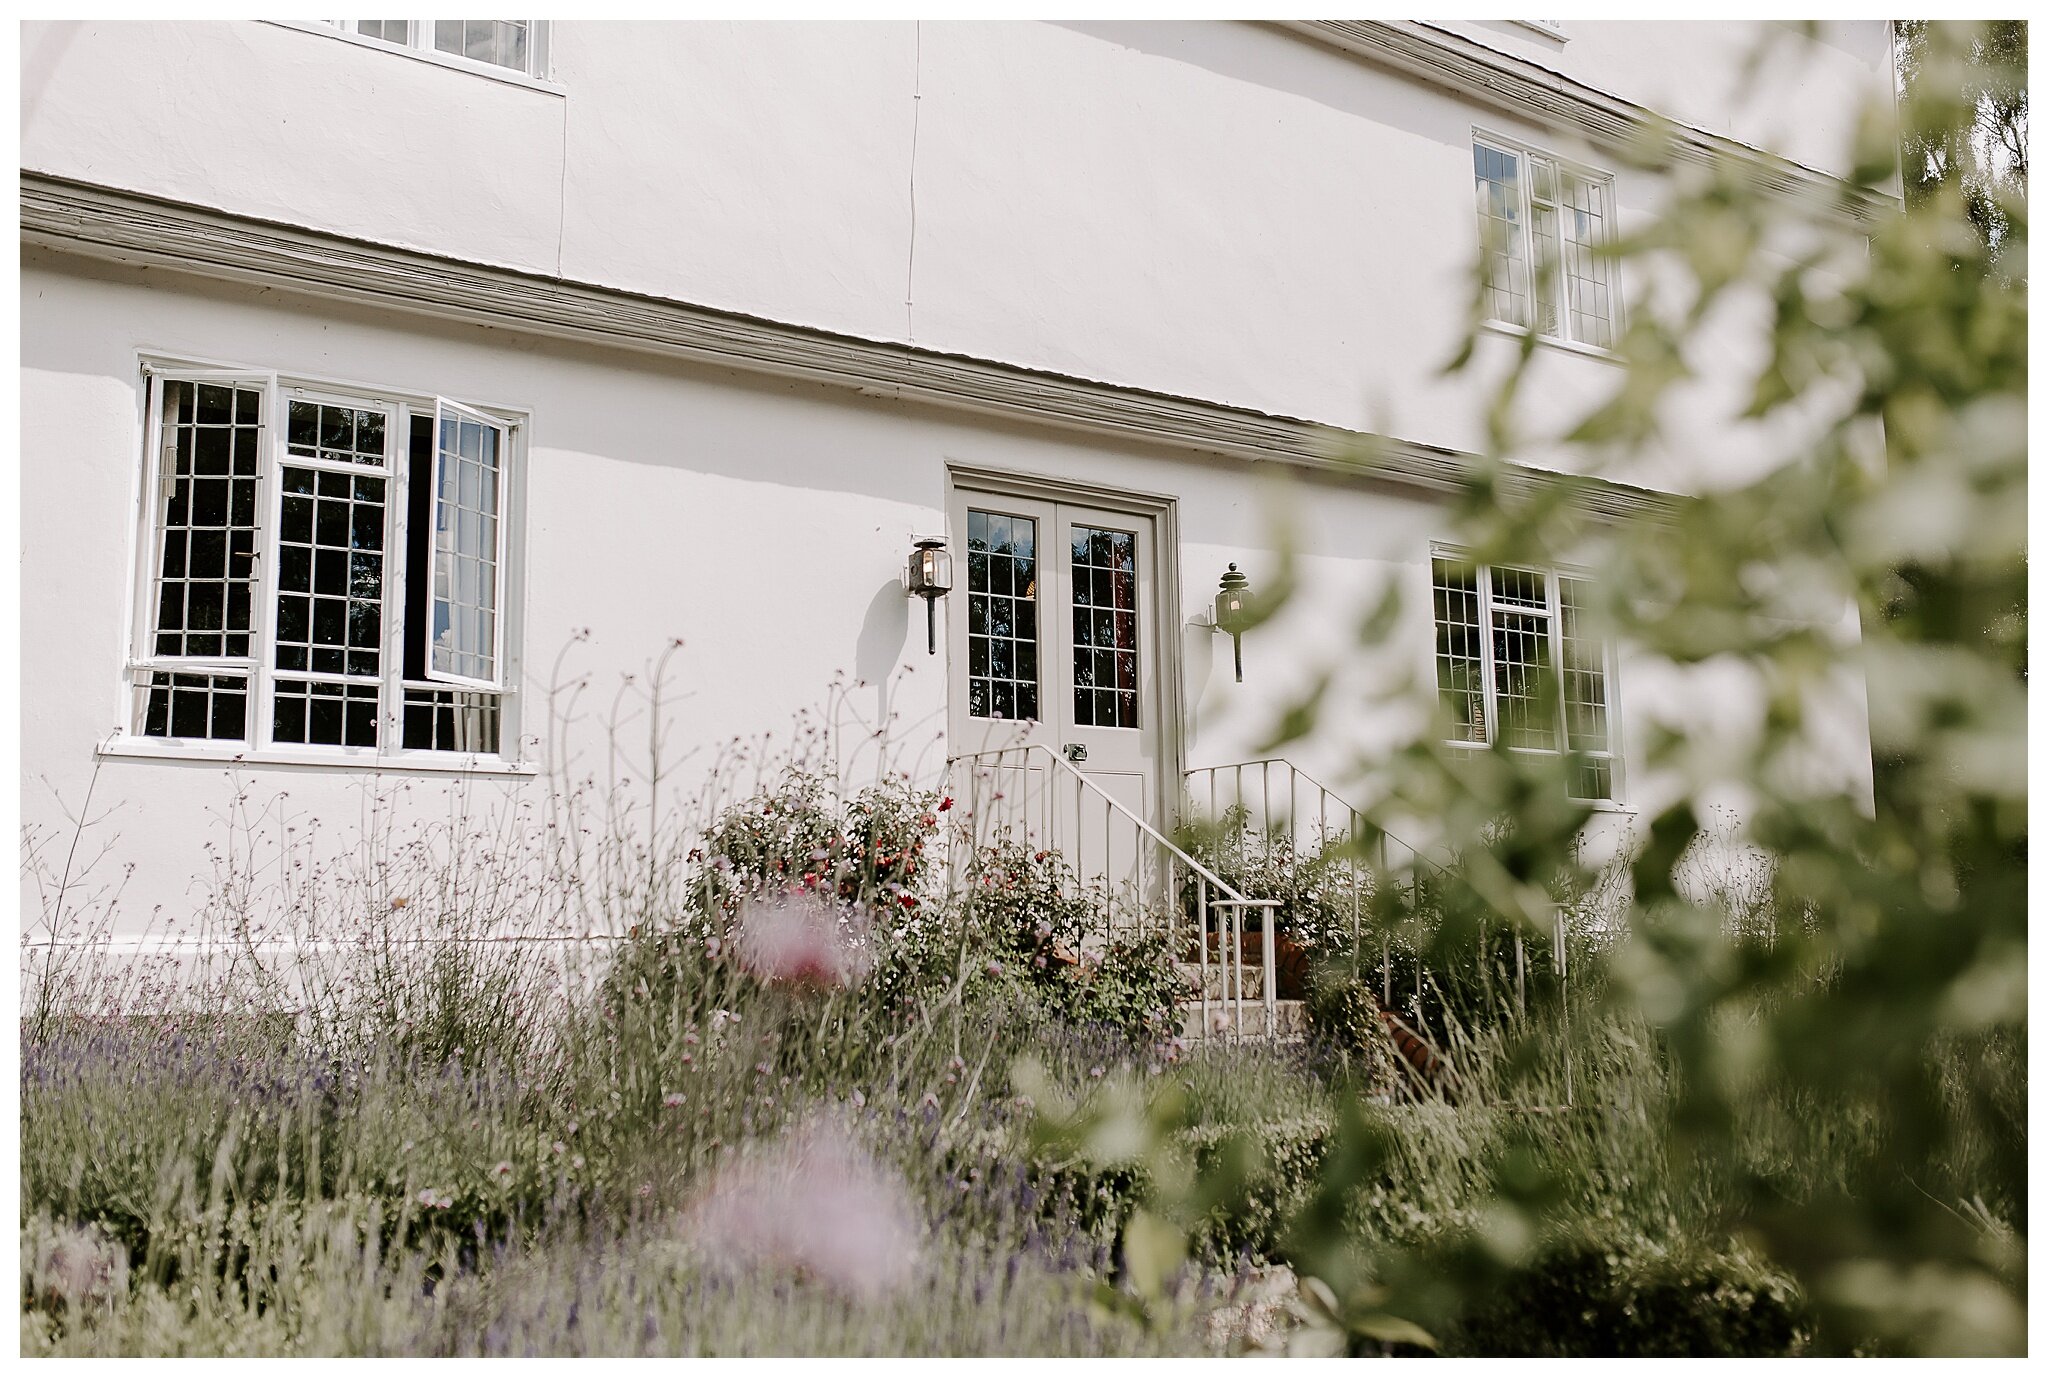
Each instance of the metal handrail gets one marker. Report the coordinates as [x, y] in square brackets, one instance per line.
[1293, 817]
[1357, 814]
[1226, 897]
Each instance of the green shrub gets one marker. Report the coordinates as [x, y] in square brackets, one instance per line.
[1042, 929]
[1323, 894]
[1635, 1299]
[805, 833]
[1289, 1155]
[1344, 1013]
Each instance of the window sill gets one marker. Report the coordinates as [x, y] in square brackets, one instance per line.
[438, 59]
[1596, 805]
[1521, 332]
[440, 763]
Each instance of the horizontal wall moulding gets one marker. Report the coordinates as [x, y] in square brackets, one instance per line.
[103, 222]
[1550, 98]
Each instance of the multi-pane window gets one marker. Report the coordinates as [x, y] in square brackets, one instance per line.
[1545, 230]
[519, 45]
[1002, 616]
[1105, 627]
[321, 569]
[1514, 662]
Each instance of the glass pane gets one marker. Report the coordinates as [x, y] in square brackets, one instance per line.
[321, 713]
[1459, 670]
[330, 574]
[1583, 677]
[451, 720]
[207, 501]
[1521, 664]
[1500, 234]
[1105, 627]
[1002, 648]
[1522, 587]
[208, 707]
[1584, 261]
[322, 430]
[464, 640]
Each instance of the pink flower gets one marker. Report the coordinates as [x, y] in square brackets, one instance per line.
[80, 1264]
[816, 1204]
[801, 940]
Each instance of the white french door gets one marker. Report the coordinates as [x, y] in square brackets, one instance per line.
[1055, 639]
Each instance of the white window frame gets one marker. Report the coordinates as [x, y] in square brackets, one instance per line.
[259, 744]
[1553, 613]
[443, 409]
[1602, 183]
[420, 39]
[420, 46]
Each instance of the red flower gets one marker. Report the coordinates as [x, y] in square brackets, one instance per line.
[945, 803]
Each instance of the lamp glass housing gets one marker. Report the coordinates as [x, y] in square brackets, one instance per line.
[1233, 603]
[931, 570]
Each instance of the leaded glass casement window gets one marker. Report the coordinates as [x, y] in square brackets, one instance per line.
[1002, 616]
[518, 45]
[321, 570]
[1514, 661]
[1545, 229]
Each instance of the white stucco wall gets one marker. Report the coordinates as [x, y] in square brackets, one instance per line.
[1217, 210]
[1800, 100]
[762, 524]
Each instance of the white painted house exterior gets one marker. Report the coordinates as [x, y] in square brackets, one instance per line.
[380, 378]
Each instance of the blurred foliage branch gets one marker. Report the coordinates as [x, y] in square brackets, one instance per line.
[1861, 532]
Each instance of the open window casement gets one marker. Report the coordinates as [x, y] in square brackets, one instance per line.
[464, 629]
[198, 585]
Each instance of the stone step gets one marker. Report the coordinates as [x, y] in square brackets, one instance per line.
[1248, 1018]
[1216, 981]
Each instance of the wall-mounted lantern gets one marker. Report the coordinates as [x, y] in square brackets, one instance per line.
[931, 578]
[1233, 612]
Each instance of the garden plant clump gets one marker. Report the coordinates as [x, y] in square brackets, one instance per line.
[827, 1106]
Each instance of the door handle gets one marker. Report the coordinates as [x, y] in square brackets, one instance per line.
[1076, 752]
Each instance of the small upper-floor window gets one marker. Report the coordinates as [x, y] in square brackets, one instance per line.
[1499, 631]
[1546, 230]
[323, 569]
[520, 45]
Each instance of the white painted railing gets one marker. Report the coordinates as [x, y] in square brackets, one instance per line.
[1030, 795]
[1286, 807]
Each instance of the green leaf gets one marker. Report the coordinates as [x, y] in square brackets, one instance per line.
[1153, 1250]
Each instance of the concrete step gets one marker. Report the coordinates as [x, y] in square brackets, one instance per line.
[1216, 982]
[1247, 1018]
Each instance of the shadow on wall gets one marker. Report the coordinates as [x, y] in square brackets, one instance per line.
[880, 647]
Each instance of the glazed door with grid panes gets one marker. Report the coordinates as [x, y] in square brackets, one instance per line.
[1055, 641]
